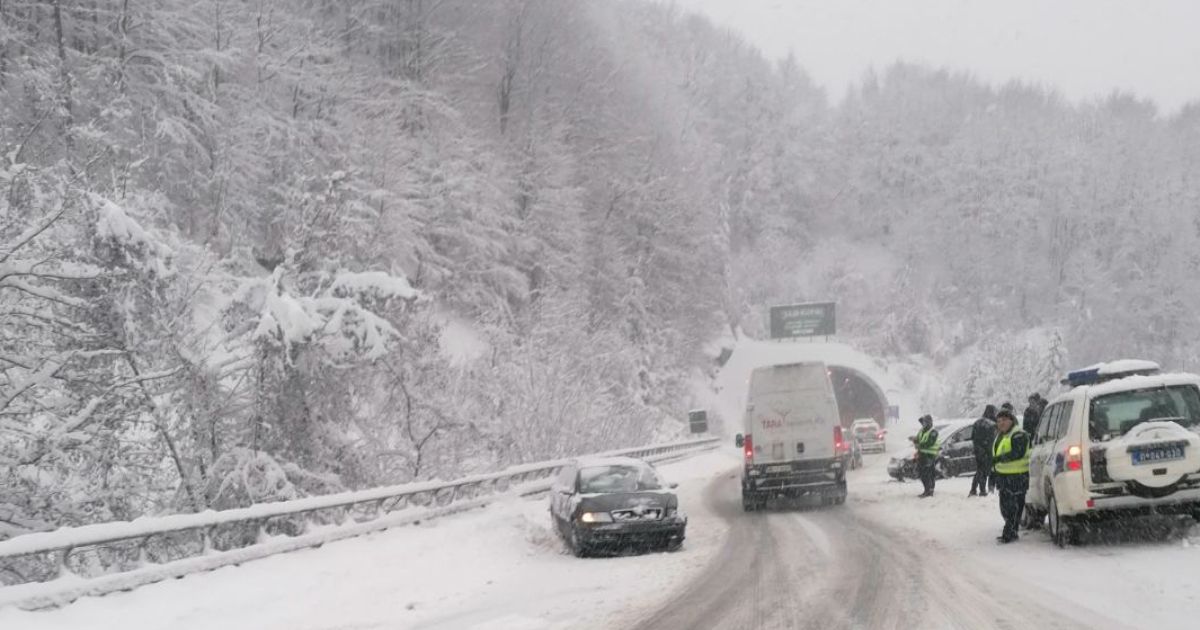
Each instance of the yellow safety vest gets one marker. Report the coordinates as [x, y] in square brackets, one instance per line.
[925, 444]
[1003, 445]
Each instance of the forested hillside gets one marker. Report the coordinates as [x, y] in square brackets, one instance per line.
[254, 250]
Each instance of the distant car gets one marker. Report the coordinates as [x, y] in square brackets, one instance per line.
[611, 504]
[869, 435]
[1121, 443]
[950, 463]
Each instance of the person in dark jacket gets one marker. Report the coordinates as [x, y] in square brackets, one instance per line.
[926, 443]
[983, 435]
[1010, 459]
[1033, 413]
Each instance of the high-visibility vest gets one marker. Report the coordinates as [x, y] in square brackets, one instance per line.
[926, 443]
[1003, 445]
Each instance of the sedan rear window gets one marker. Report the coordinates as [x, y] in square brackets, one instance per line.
[1114, 415]
[606, 479]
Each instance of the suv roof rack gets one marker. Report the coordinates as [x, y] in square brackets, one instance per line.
[1111, 371]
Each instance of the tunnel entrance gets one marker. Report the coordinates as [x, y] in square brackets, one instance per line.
[857, 396]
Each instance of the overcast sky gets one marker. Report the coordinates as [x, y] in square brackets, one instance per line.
[1084, 48]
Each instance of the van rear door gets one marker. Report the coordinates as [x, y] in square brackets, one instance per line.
[791, 413]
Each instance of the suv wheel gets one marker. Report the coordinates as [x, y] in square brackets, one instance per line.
[1032, 518]
[1060, 529]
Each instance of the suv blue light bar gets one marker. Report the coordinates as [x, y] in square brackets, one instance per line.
[1112, 371]
[1088, 376]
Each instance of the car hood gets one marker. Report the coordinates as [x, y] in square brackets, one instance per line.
[626, 500]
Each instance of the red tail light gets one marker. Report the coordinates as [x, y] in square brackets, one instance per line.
[879, 436]
[839, 444]
[1074, 458]
[748, 448]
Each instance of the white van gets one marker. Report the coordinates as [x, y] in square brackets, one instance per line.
[793, 443]
[1122, 442]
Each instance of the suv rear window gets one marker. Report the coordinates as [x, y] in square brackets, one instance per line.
[1114, 415]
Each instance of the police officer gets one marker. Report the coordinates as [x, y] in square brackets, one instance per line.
[1010, 460]
[926, 442]
[983, 438]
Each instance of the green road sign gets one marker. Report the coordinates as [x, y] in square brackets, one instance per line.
[803, 320]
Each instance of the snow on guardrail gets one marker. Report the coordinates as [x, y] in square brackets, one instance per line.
[377, 509]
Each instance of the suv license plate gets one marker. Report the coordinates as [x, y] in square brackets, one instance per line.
[1155, 455]
[779, 469]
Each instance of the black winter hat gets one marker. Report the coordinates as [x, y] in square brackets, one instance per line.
[1007, 406]
[1005, 413]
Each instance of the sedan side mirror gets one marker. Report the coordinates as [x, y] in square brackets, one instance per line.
[673, 486]
[739, 441]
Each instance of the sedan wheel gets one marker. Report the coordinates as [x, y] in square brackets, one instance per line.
[942, 469]
[577, 548]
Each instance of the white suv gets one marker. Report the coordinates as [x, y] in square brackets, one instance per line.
[1123, 441]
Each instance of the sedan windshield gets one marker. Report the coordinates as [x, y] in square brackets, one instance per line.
[1115, 414]
[608, 479]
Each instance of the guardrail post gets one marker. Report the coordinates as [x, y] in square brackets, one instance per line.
[143, 555]
[64, 555]
[207, 539]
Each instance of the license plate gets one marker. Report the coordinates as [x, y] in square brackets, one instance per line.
[1155, 455]
[779, 469]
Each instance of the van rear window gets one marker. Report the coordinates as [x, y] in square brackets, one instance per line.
[1114, 415]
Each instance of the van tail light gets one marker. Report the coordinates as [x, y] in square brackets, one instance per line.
[879, 436]
[748, 448]
[1074, 458]
[839, 443]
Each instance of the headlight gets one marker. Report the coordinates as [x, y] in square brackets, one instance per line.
[595, 517]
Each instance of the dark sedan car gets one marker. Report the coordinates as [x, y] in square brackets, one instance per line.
[957, 455]
[606, 505]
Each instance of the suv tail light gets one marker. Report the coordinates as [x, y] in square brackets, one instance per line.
[1074, 457]
[748, 449]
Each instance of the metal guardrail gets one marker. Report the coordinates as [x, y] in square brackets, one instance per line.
[128, 554]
